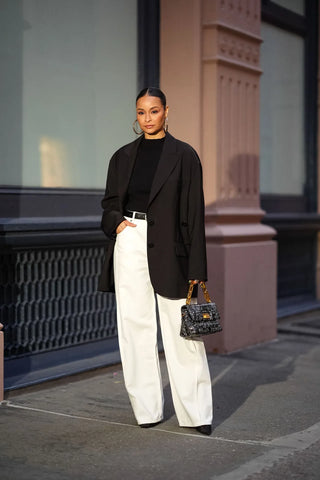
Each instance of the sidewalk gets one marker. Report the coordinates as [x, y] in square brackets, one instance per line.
[267, 424]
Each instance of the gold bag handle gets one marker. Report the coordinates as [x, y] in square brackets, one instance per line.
[205, 293]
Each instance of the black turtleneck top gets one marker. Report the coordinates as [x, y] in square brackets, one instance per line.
[146, 163]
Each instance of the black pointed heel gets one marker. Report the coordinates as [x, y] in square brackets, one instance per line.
[149, 425]
[204, 429]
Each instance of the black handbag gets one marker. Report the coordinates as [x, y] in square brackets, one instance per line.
[199, 319]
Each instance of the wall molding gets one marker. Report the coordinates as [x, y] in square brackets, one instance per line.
[232, 30]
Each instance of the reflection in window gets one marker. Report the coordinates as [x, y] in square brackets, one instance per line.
[53, 163]
[282, 163]
[69, 80]
[296, 6]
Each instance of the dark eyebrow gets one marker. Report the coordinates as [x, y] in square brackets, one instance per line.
[156, 106]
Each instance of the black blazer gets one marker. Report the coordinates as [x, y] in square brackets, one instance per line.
[176, 245]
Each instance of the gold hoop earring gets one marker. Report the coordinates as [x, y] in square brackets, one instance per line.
[166, 124]
[134, 128]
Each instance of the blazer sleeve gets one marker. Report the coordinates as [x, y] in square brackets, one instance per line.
[194, 199]
[112, 211]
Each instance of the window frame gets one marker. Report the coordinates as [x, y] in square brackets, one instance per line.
[20, 201]
[307, 27]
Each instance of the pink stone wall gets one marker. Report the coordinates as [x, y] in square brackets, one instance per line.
[180, 73]
[210, 71]
[242, 280]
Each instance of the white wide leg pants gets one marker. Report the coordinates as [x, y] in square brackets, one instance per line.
[137, 329]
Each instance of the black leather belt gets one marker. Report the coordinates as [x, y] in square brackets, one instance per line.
[137, 215]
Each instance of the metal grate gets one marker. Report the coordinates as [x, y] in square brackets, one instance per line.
[49, 299]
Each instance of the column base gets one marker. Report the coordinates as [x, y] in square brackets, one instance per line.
[242, 281]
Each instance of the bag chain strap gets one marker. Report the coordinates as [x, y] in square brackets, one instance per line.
[205, 293]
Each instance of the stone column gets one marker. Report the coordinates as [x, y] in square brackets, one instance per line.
[215, 46]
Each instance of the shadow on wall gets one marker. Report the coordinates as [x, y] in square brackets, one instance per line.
[13, 310]
[12, 27]
[239, 181]
[11, 92]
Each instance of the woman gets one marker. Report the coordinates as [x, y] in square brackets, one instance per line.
[154, 220]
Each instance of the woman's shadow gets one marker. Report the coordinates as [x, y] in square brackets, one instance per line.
[236, 376]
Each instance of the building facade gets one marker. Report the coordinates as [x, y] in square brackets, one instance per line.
[241, 82]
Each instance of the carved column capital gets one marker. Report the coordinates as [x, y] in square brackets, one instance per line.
[238, 14]
[230, 73]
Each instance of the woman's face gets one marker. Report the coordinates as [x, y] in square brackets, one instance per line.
[151, 115]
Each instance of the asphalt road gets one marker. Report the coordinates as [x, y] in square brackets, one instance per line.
[266, 427]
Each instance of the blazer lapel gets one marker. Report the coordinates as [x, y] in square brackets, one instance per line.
[131, 153]
[167, 162]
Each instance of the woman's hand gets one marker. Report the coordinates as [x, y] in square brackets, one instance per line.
[123, 225]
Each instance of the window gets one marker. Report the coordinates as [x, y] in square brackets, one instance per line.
[69, 79]
[288, 114]
[296, 6]
[282, 164]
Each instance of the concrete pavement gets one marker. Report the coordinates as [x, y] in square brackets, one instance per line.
[267, 423]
